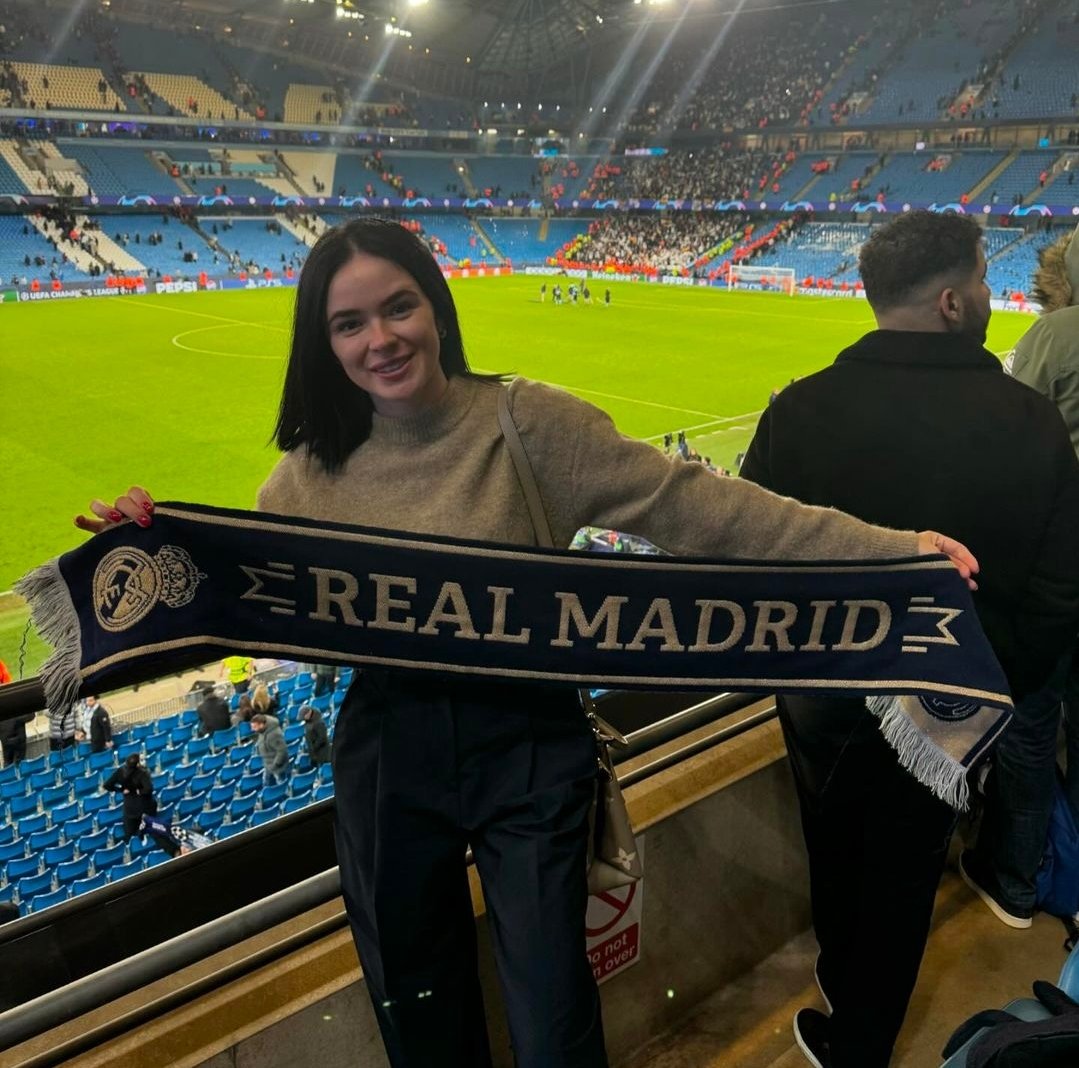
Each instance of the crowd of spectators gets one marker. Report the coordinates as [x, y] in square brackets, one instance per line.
[671, 244]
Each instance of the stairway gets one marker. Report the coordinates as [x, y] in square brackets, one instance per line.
[464, 176]
[109, 252]
[71, 252]
[301, 232]
[494, 256]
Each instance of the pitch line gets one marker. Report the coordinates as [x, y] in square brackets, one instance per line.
[765, 315]
[202, 315]
[712, 423]
[217, 352]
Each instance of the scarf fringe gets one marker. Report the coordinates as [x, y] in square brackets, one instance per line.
[55, 619]
[944, 776]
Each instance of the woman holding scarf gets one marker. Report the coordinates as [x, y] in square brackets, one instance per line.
[382, 424]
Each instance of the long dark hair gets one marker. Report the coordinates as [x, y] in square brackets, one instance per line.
[321, 408]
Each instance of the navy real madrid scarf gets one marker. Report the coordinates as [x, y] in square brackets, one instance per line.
[202, 582]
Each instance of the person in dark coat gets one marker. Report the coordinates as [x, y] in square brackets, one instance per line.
[315, 735]
[134, 782]
[13, 738]
[213, 712]
[913, 425]
[100, 726]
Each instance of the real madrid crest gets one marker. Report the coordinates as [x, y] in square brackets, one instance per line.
[129, 582]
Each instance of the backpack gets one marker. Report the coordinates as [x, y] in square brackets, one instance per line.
[1010, 1042]
[1058, 874]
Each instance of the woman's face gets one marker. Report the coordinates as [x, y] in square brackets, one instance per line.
[383, 332]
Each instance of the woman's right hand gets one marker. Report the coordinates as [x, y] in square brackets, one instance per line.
[136, 504]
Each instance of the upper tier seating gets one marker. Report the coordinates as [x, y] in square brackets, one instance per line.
[457, 234]
[119, 171]
[311, 104]
[1047, 72]
[510, 176]
[76, 88]
[909, 179]
[183, 90]
[1021, 177]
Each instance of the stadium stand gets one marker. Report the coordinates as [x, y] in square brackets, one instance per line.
[504, 177]
[1021, 178]
[524, 241]
[119, 170]
[818, 250]
[187, 95]
[258, 244]
[1038, 80]
[458, 235]
[26, 253]
[934, 177]
[75, 88]
[311, 104]
[1012, 271]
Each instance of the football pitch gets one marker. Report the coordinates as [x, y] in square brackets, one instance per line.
[179, 393]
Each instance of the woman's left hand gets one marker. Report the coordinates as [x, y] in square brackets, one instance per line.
[930, 543]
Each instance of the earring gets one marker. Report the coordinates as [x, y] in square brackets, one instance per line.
[441, 331]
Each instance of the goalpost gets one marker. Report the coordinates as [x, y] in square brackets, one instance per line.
[774, 279]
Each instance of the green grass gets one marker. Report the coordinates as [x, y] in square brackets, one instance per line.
[179, 393]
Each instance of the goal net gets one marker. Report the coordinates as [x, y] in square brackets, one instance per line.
[768, 279]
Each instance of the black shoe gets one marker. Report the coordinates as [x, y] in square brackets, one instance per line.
[818, 975]
[811, 1034]
[985, 886]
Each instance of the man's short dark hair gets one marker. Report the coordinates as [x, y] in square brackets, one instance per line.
[258, 718]
[904, 254]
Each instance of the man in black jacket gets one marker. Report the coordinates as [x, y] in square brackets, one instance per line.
[913, 426]
[134, 782]
[100, 726]
[213, 712]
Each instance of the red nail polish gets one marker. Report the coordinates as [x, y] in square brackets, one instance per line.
[116, 517]
[148, 505]
[143, 521]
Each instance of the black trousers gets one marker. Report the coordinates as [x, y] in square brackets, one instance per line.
[14, 751]
[422, 771]
[877, 841]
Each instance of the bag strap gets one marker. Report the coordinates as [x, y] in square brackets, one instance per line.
[525, 475]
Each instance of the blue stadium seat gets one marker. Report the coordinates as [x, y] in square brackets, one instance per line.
[22, 806]
[180, 736]
[213, 762]
[121, 738]
[100, 761]
[76, 769]
[190, 806]
[44, 901]
[80, 751]
[109, 817]
[325, 773]
[322, 791]
[273, 795]
[223, 738]
[227, 830]
[56, 795]
[322, 702]
[86, 787]
[95, 803]
[9, 773]
[254, 763]
[122, 871]
[138, 846]
[29, 824]
[76, 828]
[241, 807]
[141, 731]
[212, 818]
[84, 886]
[238, 754]
[243, 729]
[155, 743]
[293, 733]
[250, 781]
[33, 885]
[91, 843]
[105, 858]
[20, 867]
[264, 815]
[303, 782]
[58, 854]
[183, 773]
[42, 839]
[7, 833]
[189, 717]
[169, 758]
[169, 795]
[286, 685]
[29, 767]
[167, 723]
[18, 788]
[158, 856]
[220, 795]
[230, 774]
[43, 779]
[197, 747]
[295, 803]
[70, 870]
[124, 751]
[15, 848]
[63, 815]
[301, 695]
[344, 678]
[202, 782]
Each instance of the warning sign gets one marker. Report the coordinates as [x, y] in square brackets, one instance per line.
[613, 927]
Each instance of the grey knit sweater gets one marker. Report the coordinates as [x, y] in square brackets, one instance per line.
[449, 472]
